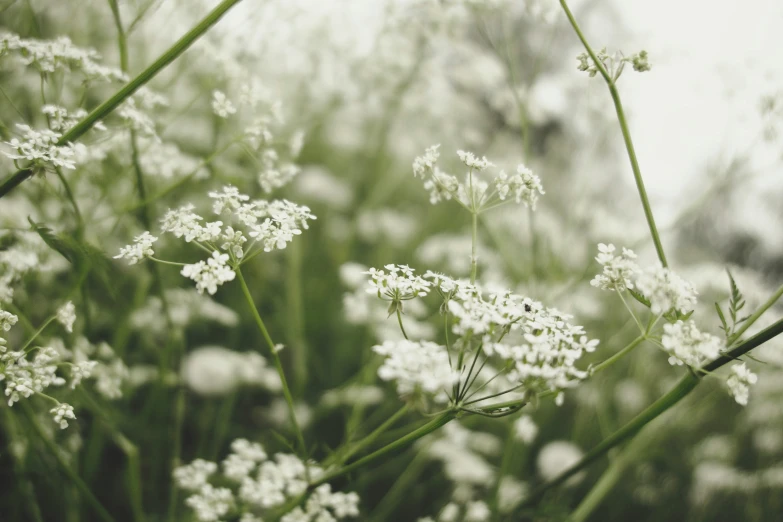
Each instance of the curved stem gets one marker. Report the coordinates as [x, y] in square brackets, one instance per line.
[402, 442]
[369, 439]
[619, 355]
[125, 92]
[618, 106]
[276, 358]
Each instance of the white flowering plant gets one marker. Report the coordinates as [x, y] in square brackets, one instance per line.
[182, 339]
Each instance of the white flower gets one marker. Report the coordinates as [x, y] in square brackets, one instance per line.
[619, 272]
[477, 511]
[666, 290]
[210, 503]
[7, 320]
[61, 412]
[685, 344]
[221, 105]
[210, 274]
[556, 457]
[25, 377]
[42, 149]
[194, 475]
[140, 249]
[80, 371]
[66, 315]
[228, 201]
[739, 382]
[416, 366]
[284, 221]
[525, 186]
[525, 429]
[473, 162]
[396, 283]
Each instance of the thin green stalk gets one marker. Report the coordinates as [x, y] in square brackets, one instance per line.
[176, 450]
[276, 358]
[626, 134]
[103, 110]
[373, 436]
[473, 247]
[402, 442]
[72, 199]
[122, 42]
[399, 320]
[399, 488]
[131, 452]
[619, 355]
[663, 404]
[758, 313]
[296, 316]
[101, 511]
[37, 333]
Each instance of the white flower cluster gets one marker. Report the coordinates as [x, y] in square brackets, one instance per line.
[739, 382]
[362, 308]
[476, 193]
[664, 289]
[139, 250]
[270, 224]
[49, 56]
[221, 105]
[25, 377]
[416, 367]
[41, 148]
[275, 173]
[210, 274]
[62, 120]
[66, 316]
[259, 484]
[685, 344]
[614, 63]
[542, 356]
[547, 346]
[619, 271]
[396, 283]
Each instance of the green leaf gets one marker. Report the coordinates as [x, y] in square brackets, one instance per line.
[639, 297]
[724, 326]
[88, 260]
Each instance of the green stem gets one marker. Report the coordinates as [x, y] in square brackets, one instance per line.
[758, 313]
[131, 452]
[37, 333]
[296, 316]
[122, 42]
[56, 452]
[276, 358]
[619, 355]
[372, 437]
[618, 106]
[399, 320]
[400, 488]
[473, 247]
[675, 395]
[69, 195]
[125, 92]
[402, 442]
